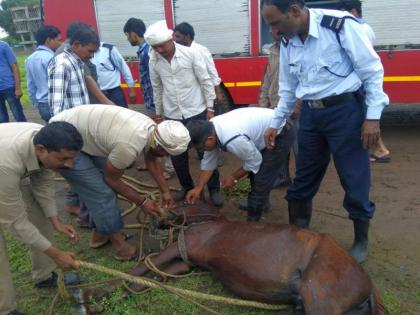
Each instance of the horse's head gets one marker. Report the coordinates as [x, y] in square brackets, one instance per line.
[186, 214]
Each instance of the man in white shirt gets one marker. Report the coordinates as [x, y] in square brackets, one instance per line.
[110, 65]
[241, 132]
[183, 91]
[184, 35]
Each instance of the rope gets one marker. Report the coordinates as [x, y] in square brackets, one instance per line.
[183, 292]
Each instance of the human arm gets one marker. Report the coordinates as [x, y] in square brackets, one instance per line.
[203, 77]
[153, 165]
[288, 83]
[125, 71]
[367, 65]
[43, 189]
[208, 165]
[157, 86]
[233, 179]
[94, 89]
[16, 76]
[113, 177]
[31, 82]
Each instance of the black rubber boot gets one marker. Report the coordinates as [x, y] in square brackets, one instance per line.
[300, 212]
[254, 215]
[359, 250]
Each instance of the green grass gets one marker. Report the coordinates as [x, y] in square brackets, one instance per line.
[33, 301]
[21, 63]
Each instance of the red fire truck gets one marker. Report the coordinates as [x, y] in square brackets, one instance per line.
[235, 33]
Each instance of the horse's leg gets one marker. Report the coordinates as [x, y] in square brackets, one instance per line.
[168, 254]
[333, 282]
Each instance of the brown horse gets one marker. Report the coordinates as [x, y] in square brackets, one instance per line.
[272, 263]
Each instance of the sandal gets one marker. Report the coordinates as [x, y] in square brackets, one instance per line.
[380, 159]
[135, 256]
[96, 245]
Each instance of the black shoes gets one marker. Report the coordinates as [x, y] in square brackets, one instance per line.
[51, 282]
[359, 250]
[180, 195]
[216, 198]
[243, 205]
[300, 212]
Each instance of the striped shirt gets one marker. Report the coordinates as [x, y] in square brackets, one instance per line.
[66, 84]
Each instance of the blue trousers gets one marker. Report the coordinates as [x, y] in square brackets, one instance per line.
[45, 111]
[334, 130]
[116, 95]
[86, 179]
[14, 104]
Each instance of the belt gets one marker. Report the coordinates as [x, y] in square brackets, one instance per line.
[330, 100]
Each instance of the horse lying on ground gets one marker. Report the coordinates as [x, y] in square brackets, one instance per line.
[271, 263]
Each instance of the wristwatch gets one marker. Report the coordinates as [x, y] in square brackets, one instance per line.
[210, 109]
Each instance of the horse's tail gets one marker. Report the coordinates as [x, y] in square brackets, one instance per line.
[377, 306]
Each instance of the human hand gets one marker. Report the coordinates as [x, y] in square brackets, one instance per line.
[18, 92]
[209, 114]
[370, 133]
[67, 230]
[167, 200]
[228, 183]
[193, 195]
[64, 260]
[270, 137]
[150, 207]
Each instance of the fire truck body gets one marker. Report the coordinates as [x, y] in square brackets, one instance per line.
[237, 36]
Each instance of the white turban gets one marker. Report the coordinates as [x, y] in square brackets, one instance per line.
[172, 136]
[158, 33]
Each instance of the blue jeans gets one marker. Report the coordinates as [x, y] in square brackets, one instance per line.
[86, 179]
[334, 130]
[14, 104]
[45, 111]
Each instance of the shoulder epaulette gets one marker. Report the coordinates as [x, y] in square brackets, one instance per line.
[109, 47]
[336, 23]
[285, 41]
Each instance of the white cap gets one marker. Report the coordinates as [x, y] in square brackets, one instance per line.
[172, 136]
[158, 33]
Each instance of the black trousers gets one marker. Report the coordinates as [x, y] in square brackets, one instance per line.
[182, 167]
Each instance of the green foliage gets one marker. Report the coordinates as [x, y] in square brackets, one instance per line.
[21, 63]
[392, 302]
[6, 21]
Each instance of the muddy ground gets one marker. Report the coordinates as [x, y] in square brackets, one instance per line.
[394, 260]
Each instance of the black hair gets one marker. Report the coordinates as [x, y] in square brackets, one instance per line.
[45, 32]
[199, 131]
[349, 5]
[85, 35]
[135, 25]
[59, 135]
[73, 27]
[283, 5]
[185, 29]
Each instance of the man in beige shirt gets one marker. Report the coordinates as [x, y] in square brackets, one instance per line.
[27, 205]
[182, 91]
[114, 137]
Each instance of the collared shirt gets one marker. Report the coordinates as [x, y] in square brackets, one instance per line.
[146, 85]
[182, 88]
[7, 58]
[369, 31]
[116, 133]
[109, 77]
[208, 59]
[269, 93]
[18, 165]
[305, 68]
[66, 83]
[37, 74]
[250, 123]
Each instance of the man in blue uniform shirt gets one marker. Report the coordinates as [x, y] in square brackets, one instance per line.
[328, 61]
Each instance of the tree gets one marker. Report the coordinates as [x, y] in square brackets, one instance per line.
[6, 21]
